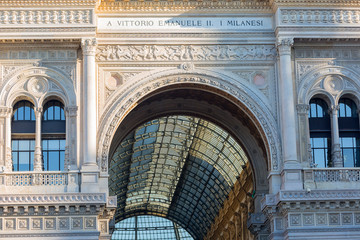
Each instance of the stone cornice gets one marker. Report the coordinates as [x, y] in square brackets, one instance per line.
[181, 6]
[46, 3]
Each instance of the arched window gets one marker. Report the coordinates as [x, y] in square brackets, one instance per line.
[53, 136]
[349, 133]
[320, 133]
[23, 136]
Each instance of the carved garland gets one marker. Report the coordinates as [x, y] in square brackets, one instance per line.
[110, 127]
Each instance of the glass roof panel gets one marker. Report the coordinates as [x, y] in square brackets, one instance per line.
[149, 228]
[181, 167]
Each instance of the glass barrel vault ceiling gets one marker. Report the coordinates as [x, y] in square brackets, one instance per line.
[149, 228]
[178, 167]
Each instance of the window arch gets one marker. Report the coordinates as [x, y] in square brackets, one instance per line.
[349, 132]
[53, 136]
[23, 136]
[320, 133]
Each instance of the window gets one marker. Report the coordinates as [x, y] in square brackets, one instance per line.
[320, 133]
[53, 136]
[23, 136]
[349, 133]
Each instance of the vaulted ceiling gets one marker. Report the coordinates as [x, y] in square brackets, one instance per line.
[178, 167]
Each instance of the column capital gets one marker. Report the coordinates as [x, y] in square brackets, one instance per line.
[38, 110]
[5, 112]
[334, 109]
[302, 109]
[284, 45]
[71, 111]
[88, 46]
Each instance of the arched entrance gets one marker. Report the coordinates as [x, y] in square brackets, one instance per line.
[160, 161]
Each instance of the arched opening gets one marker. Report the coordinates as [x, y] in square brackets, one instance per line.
[180, 154]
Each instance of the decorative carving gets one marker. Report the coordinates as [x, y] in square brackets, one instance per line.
[22, 17]
[333, 84]
[318, 17]
[10, 224]
[50, 223]
[302, 109]
[63, 223]
[23, 223]
[77, 223]
[284, 45]
[36, 223]
[38, 86]
[90, 222]
[185, 52]
[88, 46]
[31, 54]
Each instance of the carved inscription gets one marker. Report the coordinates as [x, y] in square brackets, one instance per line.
[185, 52]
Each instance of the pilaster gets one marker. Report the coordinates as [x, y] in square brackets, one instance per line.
[291, 175]
[89, 168]
[304, 135]
[5, 142]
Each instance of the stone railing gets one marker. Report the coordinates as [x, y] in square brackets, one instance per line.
[325, 177]
[36, 179]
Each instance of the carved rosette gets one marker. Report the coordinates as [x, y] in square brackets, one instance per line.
[333, 84]
[88, 46]
[38, 86]
[284, 45]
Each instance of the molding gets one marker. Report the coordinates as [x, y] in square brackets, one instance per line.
[317, 3]
[328, 17]
[181, 6]
[15, 18]
[65, 198]
[42, 3]
[185, 53]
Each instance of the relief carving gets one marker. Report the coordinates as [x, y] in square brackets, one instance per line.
[185, 52]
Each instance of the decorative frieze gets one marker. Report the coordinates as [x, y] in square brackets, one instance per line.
[349, 53]
[40, 17]
[185, 52]
[319, 17]
[36, 54]
[324, 219]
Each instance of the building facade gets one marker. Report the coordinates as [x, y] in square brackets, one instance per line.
[233, 119]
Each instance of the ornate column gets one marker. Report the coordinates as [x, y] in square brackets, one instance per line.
[291, 175]
[304, 133]
[335, 148]
[89, 105]
[38, 154]
[5, 141]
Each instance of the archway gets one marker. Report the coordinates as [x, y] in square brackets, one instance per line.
[132, 171]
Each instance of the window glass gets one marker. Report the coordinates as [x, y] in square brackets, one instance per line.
[53, 110]
[347, 108]
[320, 152]
[23, 111]
[350, 151]
[23, 154]
[318, 108]
[53, 151]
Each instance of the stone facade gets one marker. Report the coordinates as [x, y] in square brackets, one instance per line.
[268, 58]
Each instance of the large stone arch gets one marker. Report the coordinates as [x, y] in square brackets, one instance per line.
[235, 92]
